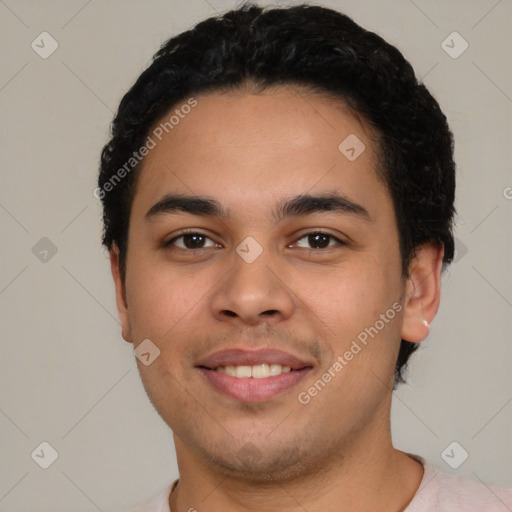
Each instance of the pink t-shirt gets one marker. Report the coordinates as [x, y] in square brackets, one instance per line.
[438, 492]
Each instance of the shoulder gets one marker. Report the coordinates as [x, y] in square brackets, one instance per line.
[472, 495]
[443, 492]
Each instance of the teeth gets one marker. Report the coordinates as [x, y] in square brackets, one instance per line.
[230, 370]
[276, 369]
[258, 371]
[243, 372]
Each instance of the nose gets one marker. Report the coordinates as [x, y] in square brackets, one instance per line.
[254, 293]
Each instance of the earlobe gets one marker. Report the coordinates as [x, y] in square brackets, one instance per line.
[422, 292]
[122, 306]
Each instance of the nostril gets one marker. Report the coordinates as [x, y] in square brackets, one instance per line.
[229, 313]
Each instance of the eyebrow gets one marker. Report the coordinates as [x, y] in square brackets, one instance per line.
[303, 204]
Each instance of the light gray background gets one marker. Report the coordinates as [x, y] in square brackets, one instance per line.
[66, 375]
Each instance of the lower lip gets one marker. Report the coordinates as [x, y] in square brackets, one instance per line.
[253, 390]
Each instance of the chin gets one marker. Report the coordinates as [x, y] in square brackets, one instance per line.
[261, 471]
[254, 466]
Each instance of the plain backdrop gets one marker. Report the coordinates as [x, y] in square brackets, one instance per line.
[66, 376]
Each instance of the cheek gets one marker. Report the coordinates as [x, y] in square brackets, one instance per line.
[350, 304]
[159, 299]
[352, 297]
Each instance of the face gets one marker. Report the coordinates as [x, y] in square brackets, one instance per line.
[275, 297]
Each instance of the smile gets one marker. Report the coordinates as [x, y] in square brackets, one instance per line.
[253, 376]
[258, 371]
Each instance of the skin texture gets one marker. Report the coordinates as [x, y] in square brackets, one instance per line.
[250, 152]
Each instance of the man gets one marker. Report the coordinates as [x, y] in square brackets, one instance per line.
[278, 203]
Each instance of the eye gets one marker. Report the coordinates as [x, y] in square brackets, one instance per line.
[319, 240]
[196, 241]
[191, 240]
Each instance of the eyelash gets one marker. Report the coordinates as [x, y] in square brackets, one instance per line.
[170, 242]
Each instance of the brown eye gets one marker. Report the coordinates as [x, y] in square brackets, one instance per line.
[191, 241]
[319, 240]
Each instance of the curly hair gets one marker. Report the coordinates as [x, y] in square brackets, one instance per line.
[328, 53]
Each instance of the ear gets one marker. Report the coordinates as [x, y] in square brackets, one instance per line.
[122, 306]
[422, 292]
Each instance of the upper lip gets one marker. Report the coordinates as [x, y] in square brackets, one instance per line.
[244, 357]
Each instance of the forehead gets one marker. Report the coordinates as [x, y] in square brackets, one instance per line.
[277, 143]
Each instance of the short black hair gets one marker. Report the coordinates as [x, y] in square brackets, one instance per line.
[326, 52]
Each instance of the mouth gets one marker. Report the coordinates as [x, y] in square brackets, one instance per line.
[257, 371]
[253, 376]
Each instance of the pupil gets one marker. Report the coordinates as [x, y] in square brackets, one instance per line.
[319, 239]
[192, 241]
